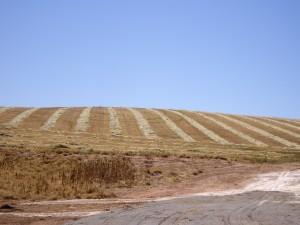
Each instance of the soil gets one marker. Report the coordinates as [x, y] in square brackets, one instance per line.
[167, 167]
[246, 209]
[168, 177]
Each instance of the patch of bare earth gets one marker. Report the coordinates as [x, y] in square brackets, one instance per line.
[155, 177]
[58, 164]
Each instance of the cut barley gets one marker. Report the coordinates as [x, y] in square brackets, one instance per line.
[2, 110]
[260, 131]
[210, 134]
[143, 124]
[173, 126]
[22, 116]
[273, 126]
[234, 131]
[50, 123]
[283, 123]
[82, 123]
[114, 122]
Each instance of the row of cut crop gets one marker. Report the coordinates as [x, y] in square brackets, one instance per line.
[144, 126]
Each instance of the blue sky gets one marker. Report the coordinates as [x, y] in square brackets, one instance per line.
[219, 56]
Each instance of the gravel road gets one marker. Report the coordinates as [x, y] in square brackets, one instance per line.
[252, 208]
[272, 199]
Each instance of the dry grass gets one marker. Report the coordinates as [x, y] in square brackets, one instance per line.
[267, 123]
[173, 126]
[209, 133]
[269, 131]
[114, 122]
[60, 163]
[50, 123]
[232, 130]
[285, 123]
[22, 116]
[83, 121]
[61, 174]
[144, 126]
[100, 171]
[38, 170]
[3, 109]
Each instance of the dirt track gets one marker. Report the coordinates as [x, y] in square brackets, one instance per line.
[240, 209]
[279, 204]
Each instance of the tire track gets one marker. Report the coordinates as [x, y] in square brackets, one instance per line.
[267, 196]
[172, 218]
[249, 206]
[54, 214]
[244, 215]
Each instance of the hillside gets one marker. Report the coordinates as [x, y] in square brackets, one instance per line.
[163, 125]
[98, 152]
[147, 131]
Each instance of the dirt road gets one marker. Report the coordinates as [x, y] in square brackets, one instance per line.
[271, 199]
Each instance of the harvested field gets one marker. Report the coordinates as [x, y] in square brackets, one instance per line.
[128, 123]
[173, 126]
[279, 128]
[158, 125]
[99, 121]
[114, 122]
[9, 114]
[268, 131]
[236, 137]
[141, 124]
[294, 126]
[50, 123]
[83, 121]
[248, 129]
[37, 118]
[209, 133]
[60, 163]
[3, 109]
[144, 126]
[293, 122]
[67, 121]
[16, 121]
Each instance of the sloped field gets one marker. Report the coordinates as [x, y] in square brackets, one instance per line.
[148, 126]
[101, 152]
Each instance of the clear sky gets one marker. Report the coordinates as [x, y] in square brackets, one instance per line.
[219, 56]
